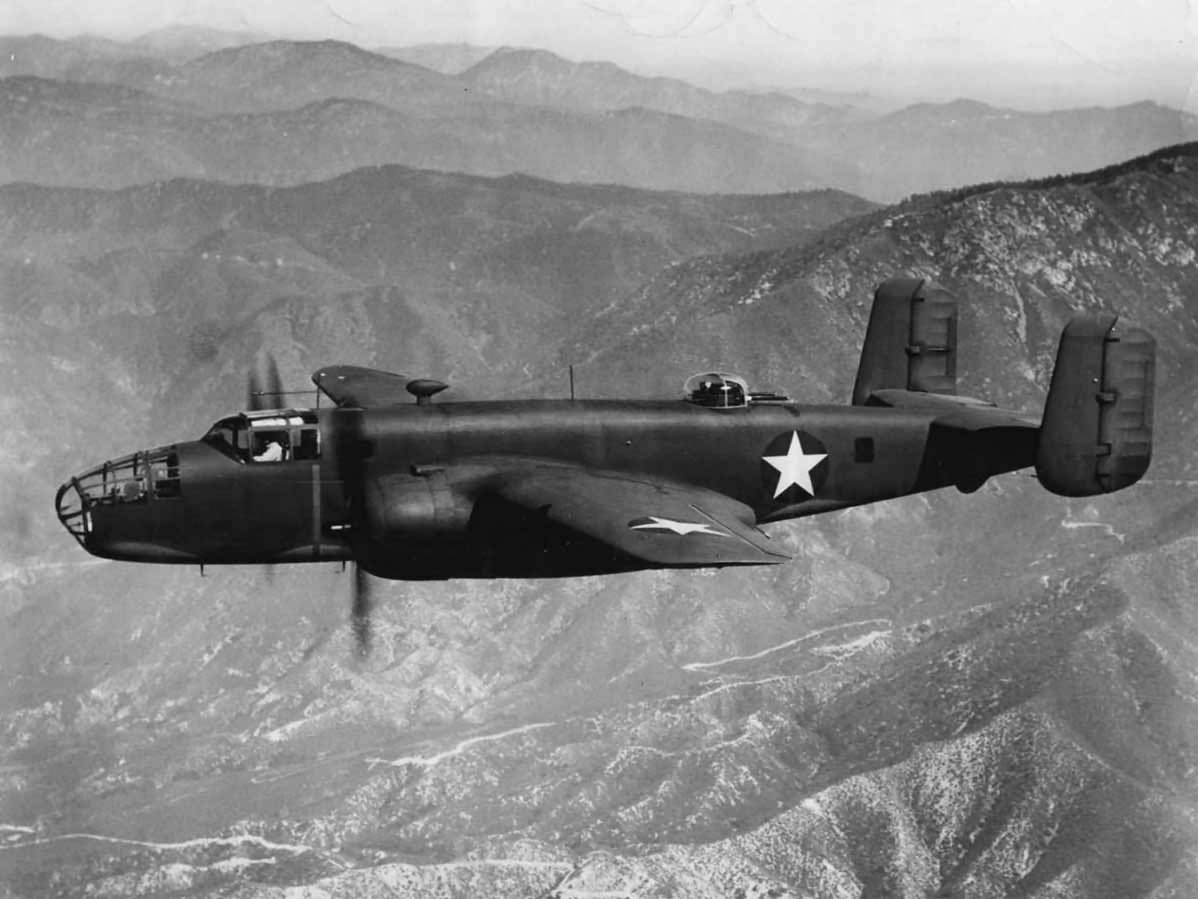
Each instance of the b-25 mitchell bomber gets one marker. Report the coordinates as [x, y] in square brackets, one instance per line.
[410, 488]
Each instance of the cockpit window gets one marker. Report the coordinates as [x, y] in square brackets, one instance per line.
[279, 435]
[230, 436]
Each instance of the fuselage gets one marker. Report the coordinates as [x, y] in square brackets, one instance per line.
[415, 473]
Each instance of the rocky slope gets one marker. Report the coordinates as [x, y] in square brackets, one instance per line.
[959, 696]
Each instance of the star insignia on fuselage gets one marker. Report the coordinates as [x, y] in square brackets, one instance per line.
[794, 469]
[682, 528]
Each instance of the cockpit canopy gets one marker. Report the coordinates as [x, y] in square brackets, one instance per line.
[269, 435]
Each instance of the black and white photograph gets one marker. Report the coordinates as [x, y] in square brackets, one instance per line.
[598, 449]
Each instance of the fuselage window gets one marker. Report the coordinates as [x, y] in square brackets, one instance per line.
[863, 449]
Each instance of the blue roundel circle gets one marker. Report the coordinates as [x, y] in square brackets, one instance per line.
[794, 467]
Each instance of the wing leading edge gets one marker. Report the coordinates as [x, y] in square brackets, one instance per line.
[668, 525]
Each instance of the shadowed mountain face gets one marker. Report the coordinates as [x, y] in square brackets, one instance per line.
[983, 696]
[287, 112]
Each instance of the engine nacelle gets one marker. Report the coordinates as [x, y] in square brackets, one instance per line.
[419, 506]
[1096, 436]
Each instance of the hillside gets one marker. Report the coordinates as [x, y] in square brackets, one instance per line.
[979, 696]
[1025, 254]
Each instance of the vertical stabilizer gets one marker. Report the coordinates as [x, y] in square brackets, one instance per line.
[911, 342]
[1096, 436]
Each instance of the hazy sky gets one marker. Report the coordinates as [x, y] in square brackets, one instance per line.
[1032, 53]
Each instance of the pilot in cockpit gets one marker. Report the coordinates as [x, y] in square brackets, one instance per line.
[272, 451]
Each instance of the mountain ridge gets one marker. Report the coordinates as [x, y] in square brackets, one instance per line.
[537, 112]
[61, 139]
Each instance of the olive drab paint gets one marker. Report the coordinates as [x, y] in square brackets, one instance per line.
[415, 488]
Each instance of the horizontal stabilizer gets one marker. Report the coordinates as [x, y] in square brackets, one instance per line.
[911, 341]
[351, 386]
[1096, 436]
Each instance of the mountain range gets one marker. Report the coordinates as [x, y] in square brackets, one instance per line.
[944, 696]
[286, 112]
[67, 133]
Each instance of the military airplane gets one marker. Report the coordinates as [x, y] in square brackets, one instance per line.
[410, 488]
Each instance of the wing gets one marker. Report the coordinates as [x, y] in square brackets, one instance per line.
[352, 385]
[669, 525]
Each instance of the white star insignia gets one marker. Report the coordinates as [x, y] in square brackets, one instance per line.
[653, 523]
[794, 469]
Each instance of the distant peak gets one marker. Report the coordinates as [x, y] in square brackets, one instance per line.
[525, 53]
[510, 57]
[326, 46]
[287, 50]
[961, 107]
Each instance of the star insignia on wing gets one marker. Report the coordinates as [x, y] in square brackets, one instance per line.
[682, 528]
[794, 469]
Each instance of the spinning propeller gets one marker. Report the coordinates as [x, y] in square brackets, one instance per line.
[264, 387]
[363, 602]
[265, 371]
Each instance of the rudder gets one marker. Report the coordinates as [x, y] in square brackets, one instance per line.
[911, 340]
[1096, 435]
